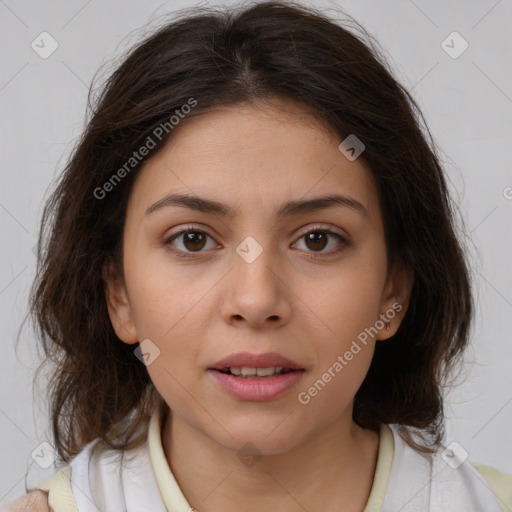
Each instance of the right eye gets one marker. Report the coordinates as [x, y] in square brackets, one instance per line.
[192, 241]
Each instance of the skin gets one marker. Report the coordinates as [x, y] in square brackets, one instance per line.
[199, 310]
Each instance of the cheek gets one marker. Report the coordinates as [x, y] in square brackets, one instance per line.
[170, 313]
[331, 391]
[174, 322]
[348, 304]
[346, 346]
[344, 349]
[349, 300]
[165, 294]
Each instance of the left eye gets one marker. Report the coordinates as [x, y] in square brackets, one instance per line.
[318, 239]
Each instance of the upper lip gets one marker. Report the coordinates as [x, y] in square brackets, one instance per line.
[266, 360]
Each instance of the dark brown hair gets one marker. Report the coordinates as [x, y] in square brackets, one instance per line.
[218, 57]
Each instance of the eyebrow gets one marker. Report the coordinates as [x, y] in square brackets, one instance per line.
[290, 208]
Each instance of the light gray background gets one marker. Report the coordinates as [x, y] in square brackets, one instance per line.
[467, 102]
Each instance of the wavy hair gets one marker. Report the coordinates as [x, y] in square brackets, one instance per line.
[219, 57]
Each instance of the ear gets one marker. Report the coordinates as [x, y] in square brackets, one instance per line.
[395, 299]
[119, 307]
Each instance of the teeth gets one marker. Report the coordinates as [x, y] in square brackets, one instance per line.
[265, 372]
[246, 371]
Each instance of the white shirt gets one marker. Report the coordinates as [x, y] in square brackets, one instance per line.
[140, 480]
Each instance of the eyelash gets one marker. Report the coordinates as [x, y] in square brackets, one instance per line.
[191, 229]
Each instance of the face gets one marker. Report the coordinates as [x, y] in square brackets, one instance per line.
[300, 290]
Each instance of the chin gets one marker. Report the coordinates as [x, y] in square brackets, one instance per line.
[258, 438]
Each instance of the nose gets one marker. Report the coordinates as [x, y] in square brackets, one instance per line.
[257, 291]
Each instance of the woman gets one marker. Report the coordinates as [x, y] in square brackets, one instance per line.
[253, 283]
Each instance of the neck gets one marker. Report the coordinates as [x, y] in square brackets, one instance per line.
[334, 466]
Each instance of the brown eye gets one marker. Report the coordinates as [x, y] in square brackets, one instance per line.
[317, 240]
[194, 241]
[188, 241]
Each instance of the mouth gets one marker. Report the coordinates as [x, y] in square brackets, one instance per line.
[247, 372]
[256, 377]
[249, 365]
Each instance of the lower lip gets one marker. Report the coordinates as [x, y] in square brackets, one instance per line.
[258, 389]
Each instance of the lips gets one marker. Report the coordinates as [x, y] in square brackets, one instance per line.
[256, 377]
[248, 360]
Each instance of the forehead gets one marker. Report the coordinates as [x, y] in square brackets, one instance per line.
[253, 155]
